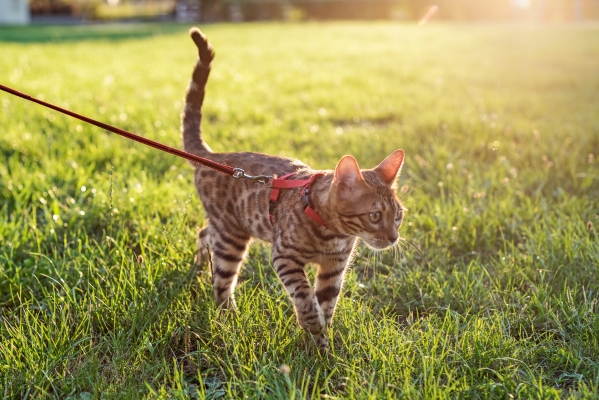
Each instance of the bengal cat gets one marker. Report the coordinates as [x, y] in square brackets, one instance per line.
[350, 202]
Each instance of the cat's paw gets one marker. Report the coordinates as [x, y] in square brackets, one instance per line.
[310, 317]
[321, 341]
[202, 252]
[201, 258]
[227, 304]
[313, 324]
[314, 329]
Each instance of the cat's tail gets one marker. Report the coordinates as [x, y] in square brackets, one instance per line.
[191, 118]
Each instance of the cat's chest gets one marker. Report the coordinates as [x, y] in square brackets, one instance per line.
[334, 250]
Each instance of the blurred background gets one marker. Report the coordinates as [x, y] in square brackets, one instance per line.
[75, 11]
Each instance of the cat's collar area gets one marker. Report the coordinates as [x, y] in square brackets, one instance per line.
[283, 183]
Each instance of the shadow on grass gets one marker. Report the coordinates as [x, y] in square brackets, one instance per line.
[70, 33]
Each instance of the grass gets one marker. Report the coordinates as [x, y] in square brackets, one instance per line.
[495, 293]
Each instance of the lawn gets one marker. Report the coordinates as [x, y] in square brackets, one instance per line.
[494, 293]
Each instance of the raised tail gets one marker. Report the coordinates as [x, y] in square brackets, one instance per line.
[191, 118]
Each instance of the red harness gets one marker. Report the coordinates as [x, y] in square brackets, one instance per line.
[282, 183]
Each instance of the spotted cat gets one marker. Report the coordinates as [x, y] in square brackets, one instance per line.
[316, 223]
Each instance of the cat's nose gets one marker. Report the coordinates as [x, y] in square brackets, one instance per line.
[393, 237]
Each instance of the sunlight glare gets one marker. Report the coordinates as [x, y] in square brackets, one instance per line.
[521, 3]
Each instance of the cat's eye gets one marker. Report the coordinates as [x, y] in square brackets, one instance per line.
[375, 216]
[399, 214]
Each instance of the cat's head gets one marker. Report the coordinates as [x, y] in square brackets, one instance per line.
[365, 201]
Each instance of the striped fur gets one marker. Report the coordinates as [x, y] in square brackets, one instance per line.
[347, 199]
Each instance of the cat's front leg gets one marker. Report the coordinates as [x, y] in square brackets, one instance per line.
[329, 280]
[289, 265]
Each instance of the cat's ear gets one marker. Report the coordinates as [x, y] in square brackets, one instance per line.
[390, 168]
[347, 175]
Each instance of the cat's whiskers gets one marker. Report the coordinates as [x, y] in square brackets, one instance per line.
[411, 190]
[411, 244]
[376, 258]
[409, 180]
[372, 261]
[397, 251]
[401, 249]
[368, 261]
[401, 194]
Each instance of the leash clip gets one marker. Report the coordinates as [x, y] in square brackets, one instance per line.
[263, 179]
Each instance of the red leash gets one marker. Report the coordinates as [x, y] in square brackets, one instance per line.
[225, 169]
[275, 184]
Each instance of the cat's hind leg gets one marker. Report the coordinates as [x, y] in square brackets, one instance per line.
[228, 248]
[202, 256]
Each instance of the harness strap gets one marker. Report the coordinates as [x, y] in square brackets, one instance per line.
[310, 212]
[274, 194]
[283, 183]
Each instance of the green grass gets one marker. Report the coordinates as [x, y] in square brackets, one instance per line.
[496, 294]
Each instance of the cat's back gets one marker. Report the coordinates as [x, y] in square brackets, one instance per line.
[241, 204]
[261, 164]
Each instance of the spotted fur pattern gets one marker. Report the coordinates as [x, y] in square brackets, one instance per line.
[353, 203]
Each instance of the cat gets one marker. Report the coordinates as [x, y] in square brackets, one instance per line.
[346, 204]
